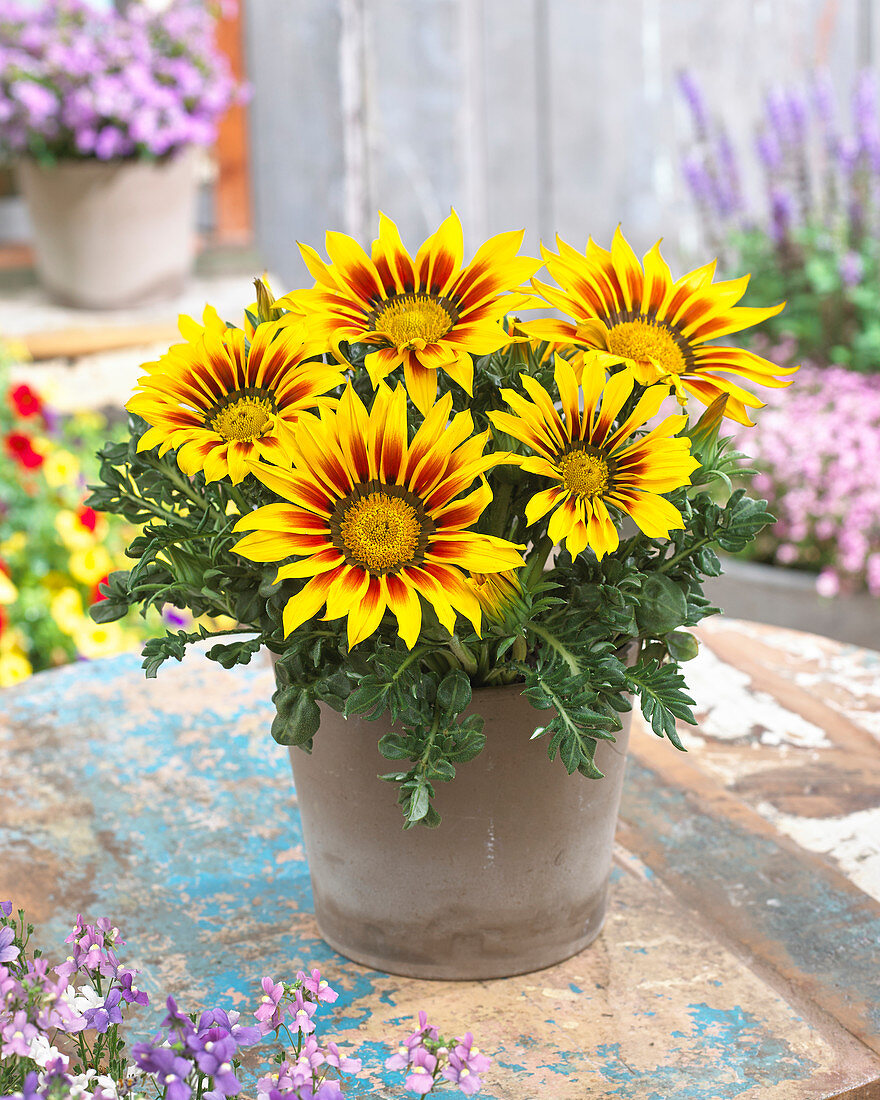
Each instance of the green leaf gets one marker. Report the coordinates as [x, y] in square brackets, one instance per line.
[662, 606]
[662, 698]
[454, 691]
[368, 700]
[394, 747]
[682, 646]
[297, 716]
[234, 653]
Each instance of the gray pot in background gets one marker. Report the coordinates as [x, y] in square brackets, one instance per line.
[788, 597]
[109, 235]
[515, 877]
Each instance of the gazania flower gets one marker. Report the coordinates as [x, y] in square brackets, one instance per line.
[498, 593]
[593, 464]
[429, 313]
[376, 521]
[657, 327]
[223, 402]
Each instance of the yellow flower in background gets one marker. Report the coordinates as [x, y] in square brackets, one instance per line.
[8, 591]
[374, 518]
[427, 313]
[95, 640]
[223, 401]
[13, 545]
[594, 465]
[80, 530]
[14, 667]
[656, 326]
[90, 565]
[61, 468]
[90, 421]
[67, 610]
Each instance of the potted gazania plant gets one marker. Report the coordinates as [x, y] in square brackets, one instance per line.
[467, 542]
[101, 112]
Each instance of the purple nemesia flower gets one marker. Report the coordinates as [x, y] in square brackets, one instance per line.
[104, 1015]
[6, 908]
[466, 1062]
[8, 951]
[341, 1062]
[170, 1068]
[214, 1050]
[268, 1012]
[130, 992]
[302, 1012]
[314, 983]
[176, 1020]
[242, 1035]
[420, 1078]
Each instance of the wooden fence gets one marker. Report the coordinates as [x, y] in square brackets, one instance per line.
[553, 115]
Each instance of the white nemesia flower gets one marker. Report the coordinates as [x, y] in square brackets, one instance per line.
[83, 998]
[40, 1050]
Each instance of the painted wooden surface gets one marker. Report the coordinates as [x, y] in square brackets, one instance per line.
[740, 954]
[553, 115]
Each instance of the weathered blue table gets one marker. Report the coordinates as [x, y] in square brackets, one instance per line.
[740, 956]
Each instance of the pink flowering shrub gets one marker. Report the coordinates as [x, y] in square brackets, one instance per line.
[80, 82]
[817, 452]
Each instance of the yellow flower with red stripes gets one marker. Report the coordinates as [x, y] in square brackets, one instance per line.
[427, 313]
[657, 326]
[224, 400]
[376, 521]
[595, 465]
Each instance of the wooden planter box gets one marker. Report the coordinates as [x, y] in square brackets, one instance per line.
[788, 597]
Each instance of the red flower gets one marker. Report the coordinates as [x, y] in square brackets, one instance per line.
[97, 594]
[3, 621]
[25, 401]
[88, 518]
[20, 447]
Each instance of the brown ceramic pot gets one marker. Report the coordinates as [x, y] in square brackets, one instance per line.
[515, 877]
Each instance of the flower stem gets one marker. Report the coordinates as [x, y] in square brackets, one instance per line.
[665, 566]
[464, 655]
[537, 560]
[561, 649]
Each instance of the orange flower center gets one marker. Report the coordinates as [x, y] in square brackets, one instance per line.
[242, 416]
[645, 341]
[414, 320]
[381, 528]
[584, 472]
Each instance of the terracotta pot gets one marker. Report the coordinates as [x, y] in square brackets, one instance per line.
[515, 877]
[115, 234]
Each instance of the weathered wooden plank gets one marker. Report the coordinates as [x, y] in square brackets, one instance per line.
[296, 128]
[413, 88]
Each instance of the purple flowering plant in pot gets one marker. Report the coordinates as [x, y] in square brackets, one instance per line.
[468, 544]
[101, 111]
[800, 209]
[810, 233]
